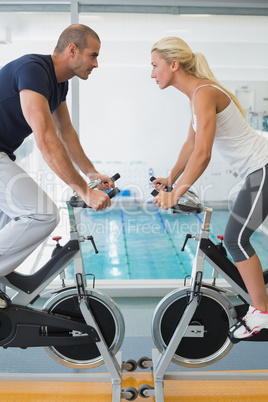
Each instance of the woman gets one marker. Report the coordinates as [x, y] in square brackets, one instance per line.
[217, 117]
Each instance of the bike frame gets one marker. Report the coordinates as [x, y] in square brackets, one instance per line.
[206, 250]
[29, 287]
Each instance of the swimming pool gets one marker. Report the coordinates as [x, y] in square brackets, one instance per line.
[145, 243]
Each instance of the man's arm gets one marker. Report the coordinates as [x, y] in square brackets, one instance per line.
[36, 111]
[69, 137]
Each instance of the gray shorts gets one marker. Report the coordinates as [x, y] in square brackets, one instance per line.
[248, 213]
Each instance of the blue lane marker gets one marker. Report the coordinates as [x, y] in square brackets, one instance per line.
[171, 242]
[125, 243]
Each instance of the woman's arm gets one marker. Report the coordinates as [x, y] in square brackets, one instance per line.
[184, 156]
[160, 183]
[205, 109]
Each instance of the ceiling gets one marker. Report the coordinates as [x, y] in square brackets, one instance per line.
[218, 7]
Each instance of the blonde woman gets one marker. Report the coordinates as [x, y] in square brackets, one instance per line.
[218, 118]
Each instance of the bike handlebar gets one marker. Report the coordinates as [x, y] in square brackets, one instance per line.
[191, 204]
[77, 202]
[115, 177]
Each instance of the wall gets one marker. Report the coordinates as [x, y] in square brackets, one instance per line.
[134, 121]
[126, 122]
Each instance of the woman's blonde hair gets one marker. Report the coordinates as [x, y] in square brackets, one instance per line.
[173, 48]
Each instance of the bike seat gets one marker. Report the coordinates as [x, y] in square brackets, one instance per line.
[28, 283]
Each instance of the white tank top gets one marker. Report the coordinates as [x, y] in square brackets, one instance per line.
[241, 146]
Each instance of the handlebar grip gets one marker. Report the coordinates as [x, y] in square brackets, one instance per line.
[154, 193]
[77, 203]
[115, 177]
[114, 192]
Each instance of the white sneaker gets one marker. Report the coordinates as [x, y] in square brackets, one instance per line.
[254, 321]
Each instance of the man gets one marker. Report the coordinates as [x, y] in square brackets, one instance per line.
[33, 93]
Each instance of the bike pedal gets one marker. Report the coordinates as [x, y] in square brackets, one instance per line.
[233, 339]
[4, 301]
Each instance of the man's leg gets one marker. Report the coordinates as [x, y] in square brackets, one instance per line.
[32, 215]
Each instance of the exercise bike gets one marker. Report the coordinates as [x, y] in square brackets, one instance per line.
[78, 327]
[190, 325]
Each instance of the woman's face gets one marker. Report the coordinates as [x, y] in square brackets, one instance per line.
[162, 71]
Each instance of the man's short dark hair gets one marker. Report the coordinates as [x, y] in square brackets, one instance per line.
[77, 34]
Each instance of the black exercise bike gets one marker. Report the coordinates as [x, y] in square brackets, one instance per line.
[190, 325]
[79, 327]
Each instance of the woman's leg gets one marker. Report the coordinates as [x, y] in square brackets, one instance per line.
[248, 213]
[252, 275]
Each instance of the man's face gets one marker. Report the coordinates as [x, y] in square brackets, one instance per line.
[84, 62]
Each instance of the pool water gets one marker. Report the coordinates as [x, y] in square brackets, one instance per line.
[146, 243]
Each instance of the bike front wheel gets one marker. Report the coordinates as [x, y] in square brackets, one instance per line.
[108, 318]
[208, 341]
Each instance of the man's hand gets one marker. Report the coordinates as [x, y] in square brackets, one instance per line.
[106, 182]
[96, 199]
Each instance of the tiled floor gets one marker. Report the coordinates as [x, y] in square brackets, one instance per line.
[174, 391]
[138, 314]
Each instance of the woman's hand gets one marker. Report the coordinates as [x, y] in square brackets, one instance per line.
[161, 183]
[165, 200]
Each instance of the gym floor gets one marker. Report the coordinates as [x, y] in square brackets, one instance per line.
[35, 365]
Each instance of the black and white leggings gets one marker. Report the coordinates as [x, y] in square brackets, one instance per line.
[248, 213]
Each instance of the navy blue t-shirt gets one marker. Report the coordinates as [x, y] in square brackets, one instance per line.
[34, 72]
